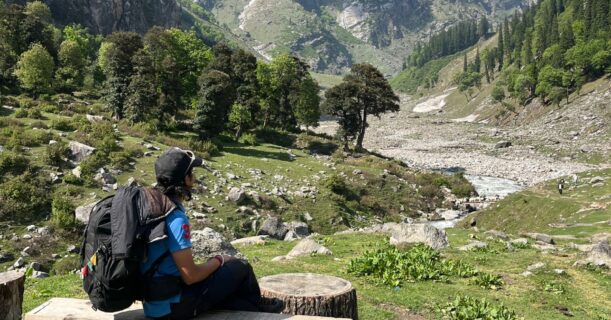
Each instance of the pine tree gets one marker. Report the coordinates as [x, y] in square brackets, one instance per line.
[141, 102]
[477, 64]
[501, 48]
[215, 99]
[465, 64]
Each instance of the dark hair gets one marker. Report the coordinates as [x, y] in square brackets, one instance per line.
[173, 188]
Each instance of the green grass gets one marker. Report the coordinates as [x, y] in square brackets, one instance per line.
[585, 293]
[535, 209]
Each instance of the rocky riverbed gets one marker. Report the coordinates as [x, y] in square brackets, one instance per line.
[548, 147]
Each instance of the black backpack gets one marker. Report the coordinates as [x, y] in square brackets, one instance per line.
[113, 282]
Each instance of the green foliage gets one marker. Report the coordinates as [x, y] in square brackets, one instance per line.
[35, 69]
[62, 213]
[56, 153]
[21, 113]
[207, 147]
[141, 101]
[498, 94]
[467, 308]
[249, 139]
[12, 164]
[426, 76]
[240, 118]
[393, 267]
[39, 10]
[489, 281]
[63, 124]
[24, 198]
[213, 105]
[70, 74]
[66, 265]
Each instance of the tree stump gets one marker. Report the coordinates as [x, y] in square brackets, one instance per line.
[11, 295]
[312, 294]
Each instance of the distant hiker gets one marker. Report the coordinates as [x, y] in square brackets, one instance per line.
[560, 185]
[223, 282]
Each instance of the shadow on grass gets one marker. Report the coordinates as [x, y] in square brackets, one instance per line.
[248, 152]
[4, 112]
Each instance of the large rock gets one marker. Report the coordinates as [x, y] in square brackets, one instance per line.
[419, 233]
[307, 247]
[599, 255]
[105, 178]
[208, 243]
[473, 244]
[236, 195]
[541, 237]
[301, 229]
[80, 151]
[502, 144]
[249, 241]
[274, 227]
[82, 213]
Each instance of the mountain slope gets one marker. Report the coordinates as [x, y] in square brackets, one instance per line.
[333, 34]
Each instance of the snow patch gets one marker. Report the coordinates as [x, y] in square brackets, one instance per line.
[433, 104]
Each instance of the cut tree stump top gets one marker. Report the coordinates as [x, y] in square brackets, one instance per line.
[305, 285]
[10, 276]
[78, 309]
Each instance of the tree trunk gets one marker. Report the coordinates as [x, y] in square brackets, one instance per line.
[11, 295]
[361, 136]
[312, 294]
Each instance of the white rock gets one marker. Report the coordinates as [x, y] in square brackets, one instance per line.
[419, 233]
[307, 247]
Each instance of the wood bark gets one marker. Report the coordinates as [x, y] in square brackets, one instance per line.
[11, 295]
[312, 294]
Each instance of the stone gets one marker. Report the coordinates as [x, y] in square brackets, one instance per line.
[82, 213]
[596, 180]
[419, 233]
[236, 195]
[526, 274]
[497, 234]
[300, 229]
[72, 249]
[105, 178]
[35, 266]
[279, 258]
[308, 247]
[92, 118]
[586, 149]
[291, 236]
[30, 228]
[273, 227]
[26, 236]
[19, 263]
[80, 151]
[208, 243]
[599, 255]
[357, 171]
[55, 256]
[535, 266]
[542, 246]
[131, 182]
[541, 237]
[519, 241]
[77, 172]
[26, 251]
[502, 144]
[473, 244]
[560, 271]
[307, 216]
[39, 275]
[151, 147]
[249, 241]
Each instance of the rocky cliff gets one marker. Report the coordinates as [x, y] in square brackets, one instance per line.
[106, 16]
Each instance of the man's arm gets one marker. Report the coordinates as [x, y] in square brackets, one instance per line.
[191, 272]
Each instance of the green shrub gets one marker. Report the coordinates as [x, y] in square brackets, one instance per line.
[392, 267]
[277, 137]
[207, 148]
[35, 113]
[90, 166]
[13, 164]
[80, 122]
[62, 213]
[248, 139]
[62, 124]
[24, 198]
[38, 124]
[56, 153]
[66, 265]
[467, 308]
[21, 113]
[50, 108]
[336, 184]
[73, 180]
[120, 160]
[489, 281]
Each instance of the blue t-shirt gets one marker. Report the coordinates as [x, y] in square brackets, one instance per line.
[179, 238]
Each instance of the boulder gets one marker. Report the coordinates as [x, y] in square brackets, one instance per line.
[92, 118]
[419, 233]
[105, 178]
[473, 244]
[596, 180]
[208, 243]
[236, 195]
[291, 236]
[535, 266]
[497, 234]
[502, 144]
[541, 237]
[80, 151]
[19, 263]
[273, 227]
[39, 275]
[308, 247]
[249, 241]
[301, 229]
[599, 255]
[519, 241]
[82, 213]
[77, 172]
[72, 249]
